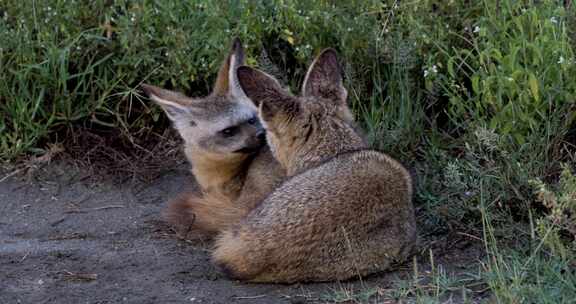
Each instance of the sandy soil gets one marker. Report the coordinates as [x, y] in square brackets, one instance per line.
[67, 237]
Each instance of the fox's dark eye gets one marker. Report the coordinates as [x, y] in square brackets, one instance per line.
[252, 120]
[229, 132]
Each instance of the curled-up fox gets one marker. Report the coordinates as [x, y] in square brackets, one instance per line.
[343, 211]
[225, 144]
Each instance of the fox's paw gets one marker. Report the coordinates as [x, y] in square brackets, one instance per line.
[178, 212]
[181, 216]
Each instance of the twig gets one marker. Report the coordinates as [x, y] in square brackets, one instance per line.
[73, 236]
[470, 236]
[12, 174]
[56, 222]
[25, 256]
[95, 209]
[79, 276]
[249, 298]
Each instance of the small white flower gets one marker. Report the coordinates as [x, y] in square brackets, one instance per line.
[432, 70]
[554, 20]
[476, 29]
[132, 19]
[510, 79]
[349, 29]
[561, 60]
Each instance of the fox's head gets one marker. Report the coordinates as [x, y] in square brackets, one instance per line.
[222, 124]
[310, 128]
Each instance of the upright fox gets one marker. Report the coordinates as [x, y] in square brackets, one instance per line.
[225, 144]
[344, 210]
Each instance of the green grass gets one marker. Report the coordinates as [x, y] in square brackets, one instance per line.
[479, 97]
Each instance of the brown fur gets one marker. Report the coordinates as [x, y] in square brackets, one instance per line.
[203, 215]
[217, 209]
[231, 183]
[344, 211]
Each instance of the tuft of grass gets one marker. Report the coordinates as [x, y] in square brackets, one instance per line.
[537, 274]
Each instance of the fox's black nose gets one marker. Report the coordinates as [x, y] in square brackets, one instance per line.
[261, 135]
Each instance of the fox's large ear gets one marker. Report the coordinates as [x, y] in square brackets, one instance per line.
[176, 105]
[324, 78]
[266, 93]
[227, 81]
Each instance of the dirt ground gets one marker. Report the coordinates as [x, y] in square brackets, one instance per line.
[67, 236]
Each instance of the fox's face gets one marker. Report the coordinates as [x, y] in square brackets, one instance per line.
[307, 127]
[222, 124]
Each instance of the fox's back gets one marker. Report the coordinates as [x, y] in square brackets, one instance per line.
[365, 181]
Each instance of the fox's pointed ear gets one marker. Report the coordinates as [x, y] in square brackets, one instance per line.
[324, 78]
[227, 82]
[265, 92]
[176, 105]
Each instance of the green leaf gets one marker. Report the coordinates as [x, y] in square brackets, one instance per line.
[533, 83]
[475, 84]
[450, 67]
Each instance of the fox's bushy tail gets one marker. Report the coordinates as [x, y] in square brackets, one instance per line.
[203, 215]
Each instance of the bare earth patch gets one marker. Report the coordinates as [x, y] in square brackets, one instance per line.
[68, 237]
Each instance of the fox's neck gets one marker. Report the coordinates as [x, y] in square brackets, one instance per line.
[307, 157]
[214, 172]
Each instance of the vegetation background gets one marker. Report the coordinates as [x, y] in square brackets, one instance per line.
[479, 97]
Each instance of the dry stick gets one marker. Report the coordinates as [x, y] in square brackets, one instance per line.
[94, 209]
[11, 174]
[80, 276]
[470, 236]
[58, 221]
[249, 298]
[25, 256]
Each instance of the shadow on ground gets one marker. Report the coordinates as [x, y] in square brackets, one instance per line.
[67, 237]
